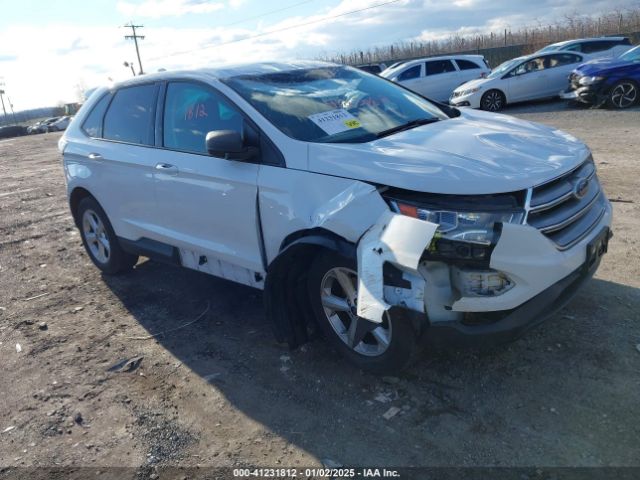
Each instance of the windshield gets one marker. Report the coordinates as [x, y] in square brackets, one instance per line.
[550, 48]
[332, 104]
[632, 55]
[504, 68]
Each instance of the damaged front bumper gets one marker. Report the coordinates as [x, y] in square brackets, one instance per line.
[504, 326]
[539, 278]
[590, 94]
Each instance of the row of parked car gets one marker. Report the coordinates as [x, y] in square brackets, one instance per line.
[594, 71]
[53, 124]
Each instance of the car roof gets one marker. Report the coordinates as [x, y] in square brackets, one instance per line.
[416, 61]
[227, 71]
[581, 40]
[524, 58]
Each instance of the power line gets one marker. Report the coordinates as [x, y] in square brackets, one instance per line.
[271, 12]
[135, 38]
[291, 27]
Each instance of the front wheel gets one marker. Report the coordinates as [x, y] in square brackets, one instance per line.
[100, 240]
[624, 94]
[381, 348]
[493, 101]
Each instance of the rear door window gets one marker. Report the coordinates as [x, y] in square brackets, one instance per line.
[436, 67]
[410, 73]
[562, 59]
[131, 115]
[466, 64]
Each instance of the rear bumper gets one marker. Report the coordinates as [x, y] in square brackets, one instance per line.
[508, 325]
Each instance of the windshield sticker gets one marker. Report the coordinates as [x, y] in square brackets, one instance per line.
[335, 121]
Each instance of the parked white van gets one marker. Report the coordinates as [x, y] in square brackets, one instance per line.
[360, 208]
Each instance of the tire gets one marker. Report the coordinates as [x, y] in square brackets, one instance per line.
[328, 272]
[100, 240]
[623, 94]
[493, 101]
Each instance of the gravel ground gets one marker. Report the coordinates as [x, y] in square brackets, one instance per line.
[221, 392]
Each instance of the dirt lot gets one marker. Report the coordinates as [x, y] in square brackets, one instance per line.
[221, 392]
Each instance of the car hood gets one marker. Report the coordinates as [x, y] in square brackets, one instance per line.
[478, 82]
[476, 153]
[601, 65]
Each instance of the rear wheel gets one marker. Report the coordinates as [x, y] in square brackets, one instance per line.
[493, 101]
[100, 240]
[383, 348]
[623, 94]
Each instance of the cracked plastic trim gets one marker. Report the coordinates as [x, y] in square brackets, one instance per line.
[394, 238]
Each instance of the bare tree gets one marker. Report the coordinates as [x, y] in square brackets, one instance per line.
[500, 46]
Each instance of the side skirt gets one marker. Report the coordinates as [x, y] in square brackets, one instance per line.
[165, 253]
[158, 251]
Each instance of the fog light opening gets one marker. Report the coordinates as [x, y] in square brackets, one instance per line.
[481, 283]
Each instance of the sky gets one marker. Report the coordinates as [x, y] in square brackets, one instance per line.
[50, 50]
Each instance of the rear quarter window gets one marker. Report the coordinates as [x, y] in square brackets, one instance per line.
[131, 115]
[466, 64]
[92, 126]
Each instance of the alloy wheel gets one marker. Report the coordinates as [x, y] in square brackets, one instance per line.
[624, 95]
[95, 235]
[492, 101]
[338, 294]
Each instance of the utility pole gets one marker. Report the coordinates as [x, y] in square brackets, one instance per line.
[135, 37]
[4, 119]
[13, 114]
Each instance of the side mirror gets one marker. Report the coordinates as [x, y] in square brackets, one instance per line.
[228, 144]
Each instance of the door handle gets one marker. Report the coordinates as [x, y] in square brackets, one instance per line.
[95, 156]
[167, 168]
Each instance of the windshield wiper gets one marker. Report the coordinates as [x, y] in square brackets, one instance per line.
[406, 126]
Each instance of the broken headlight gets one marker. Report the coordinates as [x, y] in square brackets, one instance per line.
[590, 80]
[462, 235]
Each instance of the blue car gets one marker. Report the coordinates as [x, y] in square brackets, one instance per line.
[614, 81]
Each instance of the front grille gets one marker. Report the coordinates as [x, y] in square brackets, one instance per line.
[568, 208]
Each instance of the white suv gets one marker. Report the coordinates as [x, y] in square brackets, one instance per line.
[437, 77]
[357, 206]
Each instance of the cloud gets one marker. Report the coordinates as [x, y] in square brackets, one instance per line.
[167, 8]
[76, 45]
[73, 53]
